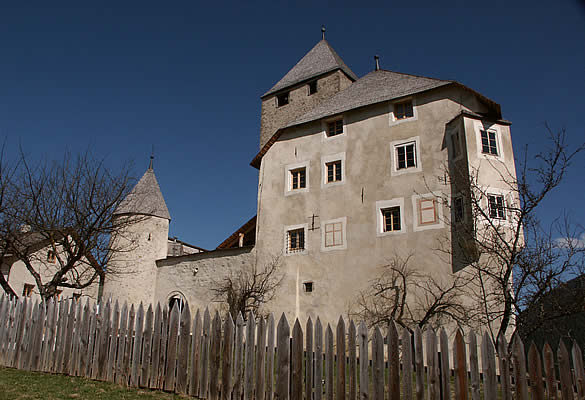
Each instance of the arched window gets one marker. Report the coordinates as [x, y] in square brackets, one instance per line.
[176, 299]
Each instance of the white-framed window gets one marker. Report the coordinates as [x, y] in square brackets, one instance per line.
[428, 213]
[333, 234]
[489, 140]
[405, 156]
[496, 206]
[296, 178]
[295, 239]
[333, 170]
[402, 111]
[333, 128]
[390, 217]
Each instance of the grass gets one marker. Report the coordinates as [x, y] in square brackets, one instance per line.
[17, 385]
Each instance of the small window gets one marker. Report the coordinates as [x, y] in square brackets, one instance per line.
[76, 296]
[403, 110]
[391, 219]
[298, 178]
[496, 205]
[456, 144]
[312, 87]
[176, 301]
[335, 128]
[334, 234]
[27, 290]
[57, 295]
[489, 144]
[405, 155]
[51, 257]
[334, 171]
[427, 211]
[308, 286]
[282, 99]
[295, 240]
[458, 210]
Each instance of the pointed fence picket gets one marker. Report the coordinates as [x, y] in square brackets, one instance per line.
[223, 359]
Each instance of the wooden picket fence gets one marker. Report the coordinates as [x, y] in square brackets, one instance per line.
[214, 359]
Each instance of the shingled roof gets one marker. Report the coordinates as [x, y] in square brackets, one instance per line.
[145, 198]
[320, 60]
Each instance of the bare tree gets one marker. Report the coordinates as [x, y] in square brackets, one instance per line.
[510, 259]
[247, 288]
[411, 298]
[66, 210]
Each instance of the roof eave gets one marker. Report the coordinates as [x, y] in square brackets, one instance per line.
[272, 92]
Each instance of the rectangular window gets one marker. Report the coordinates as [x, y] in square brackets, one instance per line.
[57, 295]
[51, 257]
[333, 171]
[458, 209]
[427, 211]
[456, 144]
[391, 219]
[403, 110]
[296, 240]
[308, 287]
[333, 234]
[27, 290]
[282, 99]
[76, 296]
[488, 143]
[312, 87]
[298, 178]
[406, 156]
[496, 205]
[335, 127]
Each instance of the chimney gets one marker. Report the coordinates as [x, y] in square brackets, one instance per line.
[377, 60]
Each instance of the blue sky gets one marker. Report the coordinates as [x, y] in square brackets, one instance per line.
[119, 77]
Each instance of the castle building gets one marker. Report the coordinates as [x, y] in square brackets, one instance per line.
[351, 174]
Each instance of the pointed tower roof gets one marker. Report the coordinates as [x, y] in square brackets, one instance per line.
[145, 198]
[320, 60]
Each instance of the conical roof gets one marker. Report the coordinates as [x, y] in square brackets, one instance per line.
[145, 198]
[320, 60]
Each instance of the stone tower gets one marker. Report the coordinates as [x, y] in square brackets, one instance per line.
[319, 75]
[139, 243]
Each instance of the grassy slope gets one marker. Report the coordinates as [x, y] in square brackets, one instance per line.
[16, 385]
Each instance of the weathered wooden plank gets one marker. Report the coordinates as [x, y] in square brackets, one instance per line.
[5, 310]
[341, 360]
[475, 384]
[147, 348]
[550, 372]
[378, 365]
[77, 337]
[432, 365]
[460, 367]
[113, 347]
[128, 346]
[297, 362]
[91, 340]
[227, 358]
[28, 337]
[406, 364]
[271, 348]
[69, 338]
[419, 367]
[579, 370]
[137, 347]
[155, 352]
[504, 363]
[164, 339]
[329, 363]
[38, 339]
[393, 362]
[318, 360]
[171, 362]
[105, 340]
[195, 356]
[352, 366]
[260, 358]
[19, 338]
[535, 371]
[239, 357]
[282, 359]
[183, 355]
[445, 377]
[565, 372]
[205, 342]
[519, 360]
[50, 336]
[249, 358]
[215, 357]
[122, 334]
[488, 360]
[99, 331]
[309, 359]
[14, 321]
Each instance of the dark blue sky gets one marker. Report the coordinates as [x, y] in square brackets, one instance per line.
[118, 77]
